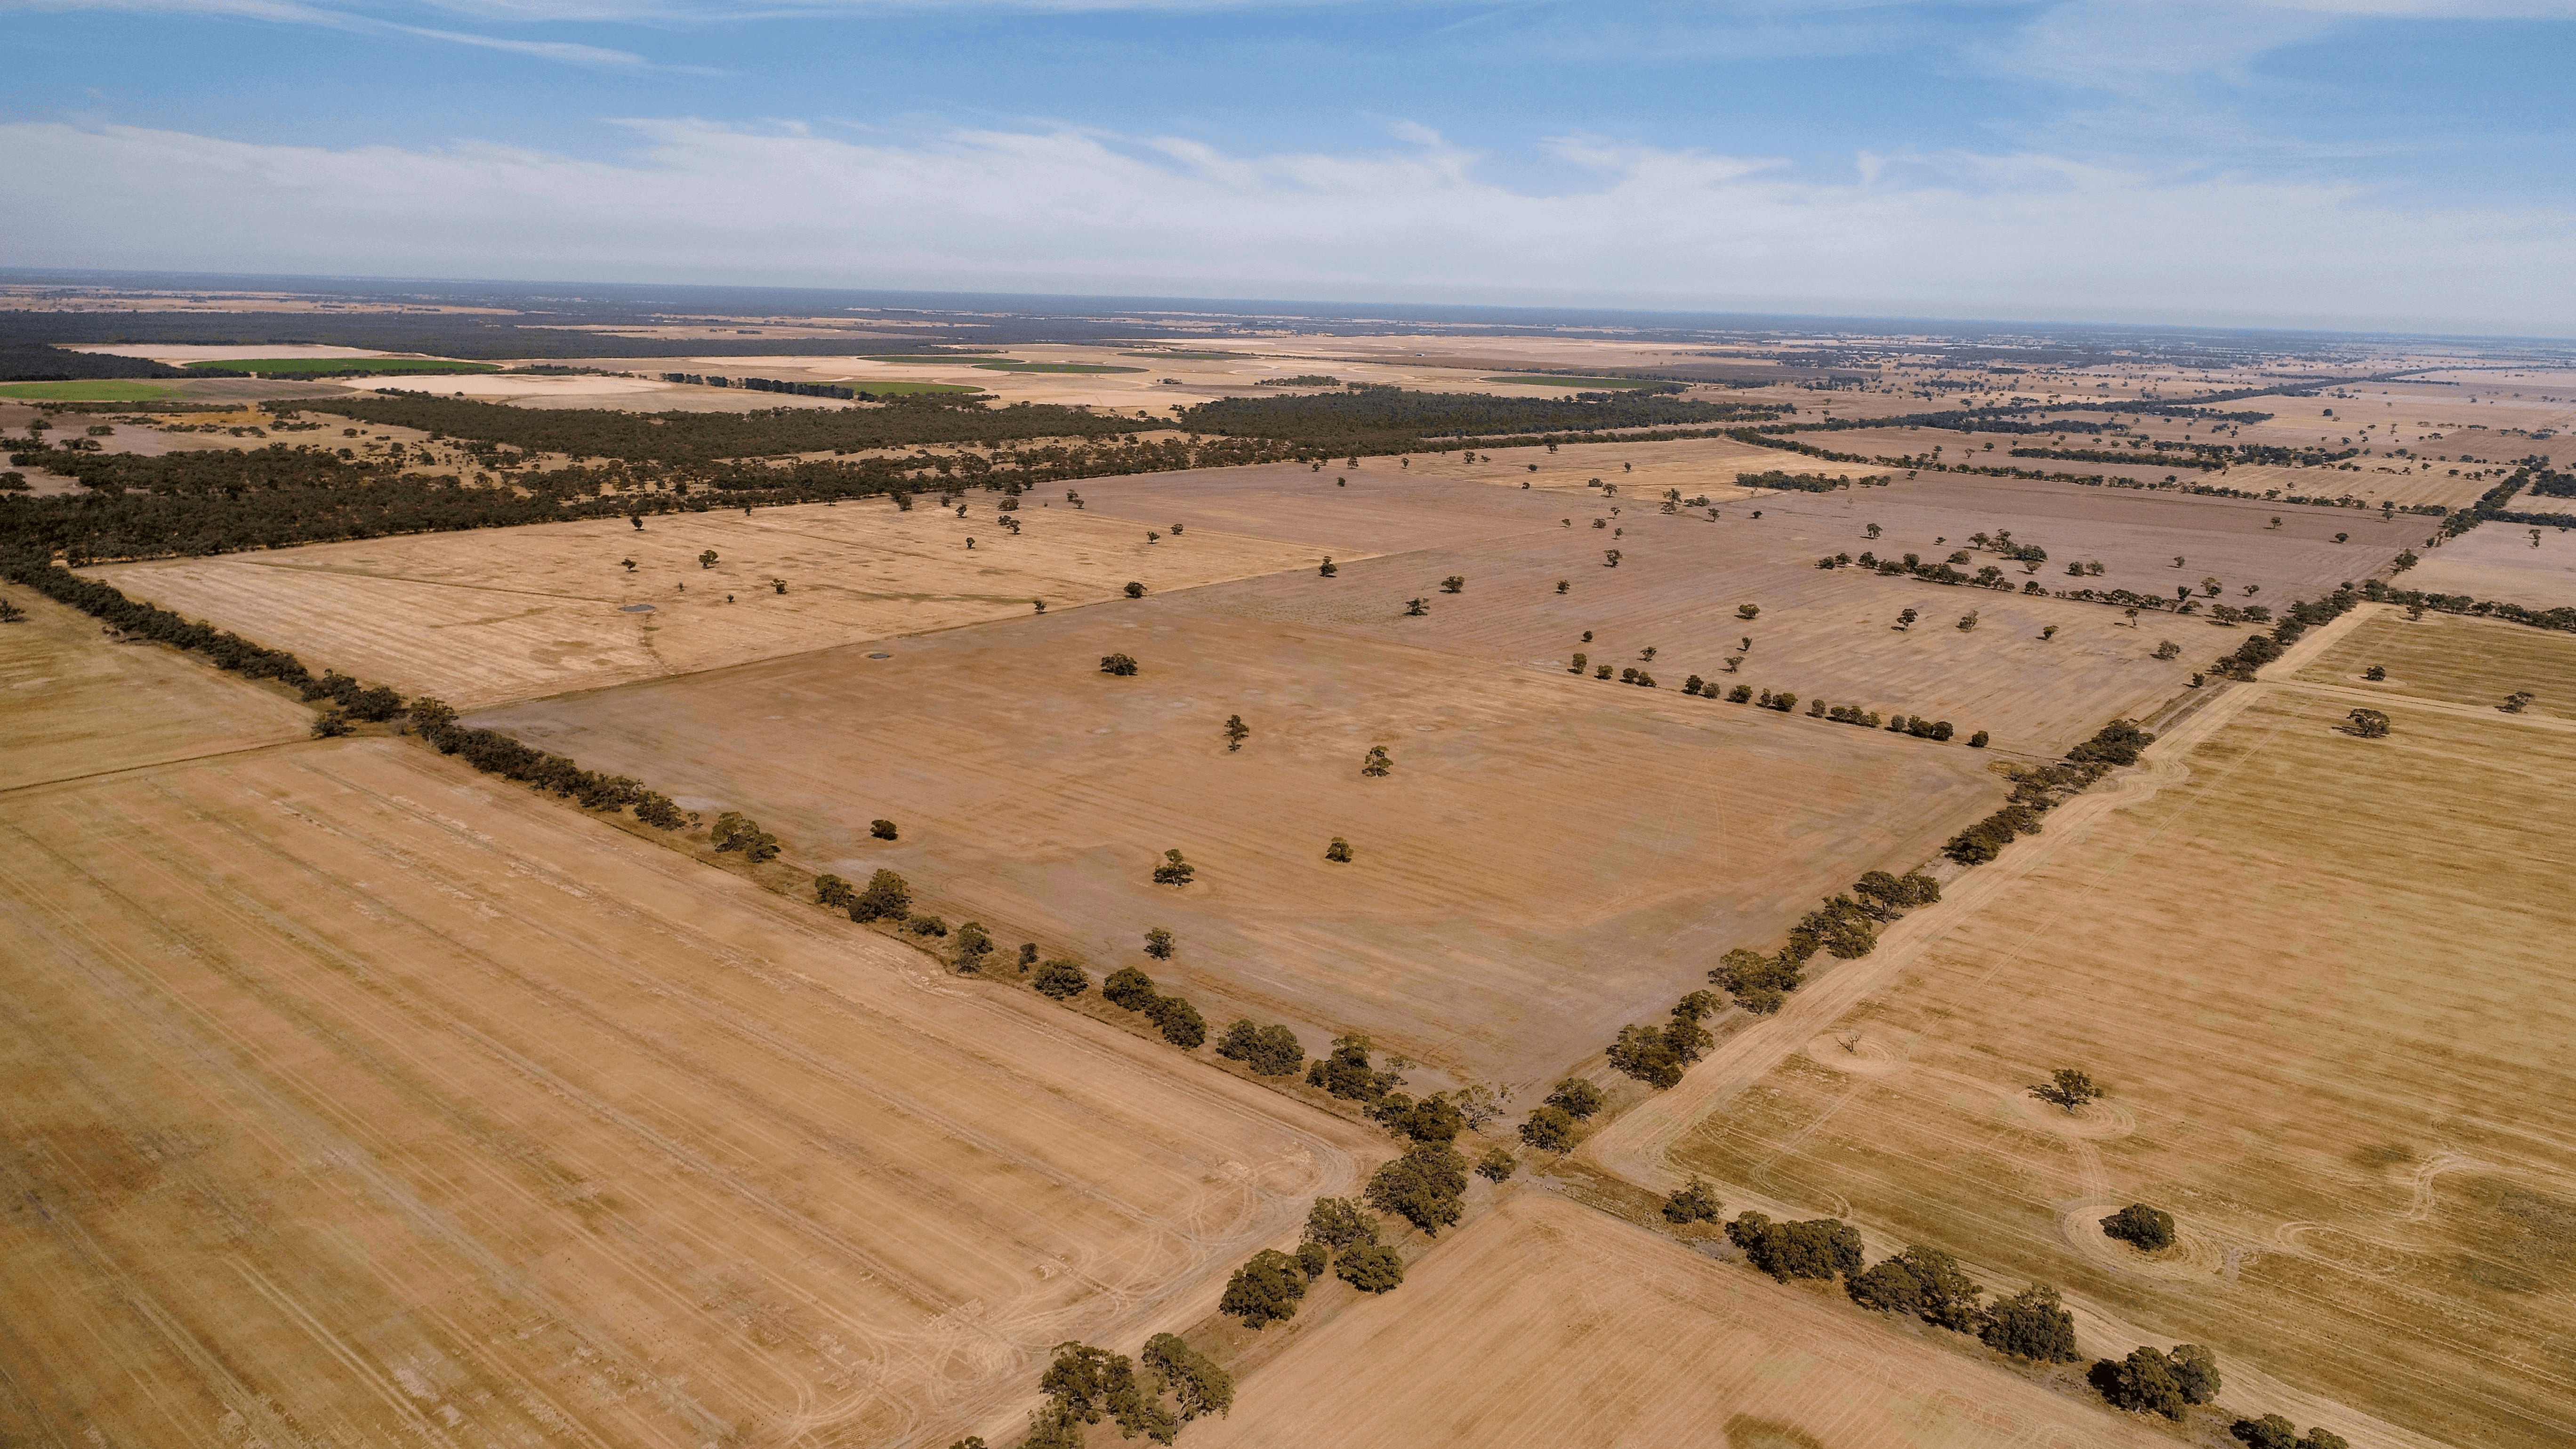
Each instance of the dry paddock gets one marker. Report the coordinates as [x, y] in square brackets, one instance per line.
[499, 614]
[349, 1097]
[2324, 980]
[1550, 1326]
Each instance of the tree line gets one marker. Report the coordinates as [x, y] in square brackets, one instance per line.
[682, 437]
[1373, 418]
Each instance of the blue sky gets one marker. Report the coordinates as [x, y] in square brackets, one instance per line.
[2360, 163]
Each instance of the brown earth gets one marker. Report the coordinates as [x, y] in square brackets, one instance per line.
[350, 1097]
[1552, 1326]
[2364, 1147]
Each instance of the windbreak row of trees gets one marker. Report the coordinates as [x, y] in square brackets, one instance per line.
[37, 362]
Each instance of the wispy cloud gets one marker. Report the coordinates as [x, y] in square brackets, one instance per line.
[1992, 235]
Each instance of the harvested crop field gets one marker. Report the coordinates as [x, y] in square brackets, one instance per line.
[72, 704]
[1547, 856]
[2502, 562]
[499, 614]
[2457, 661]
[1553, 1326]
[2324, 980]
[350, 1097]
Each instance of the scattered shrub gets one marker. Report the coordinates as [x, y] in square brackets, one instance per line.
[2141, 1226]
[881, 829]
[1121, 665]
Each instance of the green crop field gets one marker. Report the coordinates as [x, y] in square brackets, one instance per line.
[98, 389]
[1580, 384]
[308, 366]
[1182, 354]
[1054, 367]
[923, 356]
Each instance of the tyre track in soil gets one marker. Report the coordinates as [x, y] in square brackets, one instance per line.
[1637, 1146]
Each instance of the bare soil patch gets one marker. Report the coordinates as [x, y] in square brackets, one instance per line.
[1548, 1324]
[2322, 978]
[353, 1098]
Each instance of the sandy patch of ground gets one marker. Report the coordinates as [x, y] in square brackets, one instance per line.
[1550, 1325]
[72, 704]
[351, 1098]
[499, 614]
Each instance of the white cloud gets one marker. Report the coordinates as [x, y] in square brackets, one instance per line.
[2008, 236]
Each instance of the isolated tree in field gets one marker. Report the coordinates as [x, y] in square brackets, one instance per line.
[2145, 1228]
[1873, 530]
[1121, 665]
[2375, 673]
[1748, 611]
[2031, 1324]
[1422, 1186]
[2067, 1088]
[1265, 1290]
[1581, 663]
[831, 890]
[1610, 558]
[1562, 585]
[1415, 608]
[1329, 568]
[1135, 590]
[1236, 732]
[1339, 852]
[1061, 980]
[2368, 724]
[1692, 1203]
[2167, 649]
[707, 560]
[628, 564]
[1496, 1165]
[1174, 871]
[1905, 620]
[1377, 765]
[2517, 702]
[1454, 584]
[1968, 621]
[882, 829]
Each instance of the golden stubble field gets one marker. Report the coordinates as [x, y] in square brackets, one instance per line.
[2324, 979]
[1552, 1326]
[500, 614]
[2454, 660]
[350, 1097]
[71, 703]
